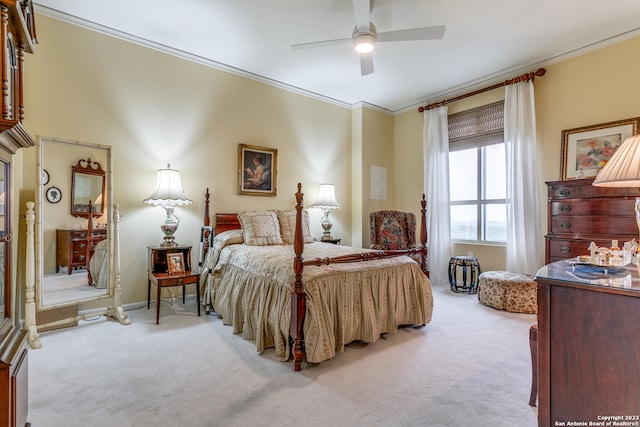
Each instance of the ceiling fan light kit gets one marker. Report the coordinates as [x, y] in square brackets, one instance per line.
[364, 43]
[365, 35]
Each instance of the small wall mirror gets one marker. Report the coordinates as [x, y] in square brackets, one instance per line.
[87, 189]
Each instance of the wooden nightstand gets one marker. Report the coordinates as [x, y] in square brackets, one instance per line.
[158, 274]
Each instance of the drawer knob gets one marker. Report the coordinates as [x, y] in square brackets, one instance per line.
[81, 257]
[179, 281]
[564, 249]
[565, 224]
[565, 208]
[565, 192]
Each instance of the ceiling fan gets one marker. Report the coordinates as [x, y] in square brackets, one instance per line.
[365, 36]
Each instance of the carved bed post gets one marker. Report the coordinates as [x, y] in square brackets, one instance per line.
[206, 234]
[298, 305]
[89, 251]
[423, 235]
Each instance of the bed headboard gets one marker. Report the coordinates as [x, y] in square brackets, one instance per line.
[226, 221]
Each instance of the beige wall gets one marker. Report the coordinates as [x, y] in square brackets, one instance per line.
[153, 109]
[596, 87]
[377, 131]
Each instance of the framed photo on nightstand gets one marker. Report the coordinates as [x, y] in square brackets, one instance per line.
[175, 262]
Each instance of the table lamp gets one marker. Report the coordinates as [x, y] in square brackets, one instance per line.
[623, 170]
[327, 202]
[168, 194]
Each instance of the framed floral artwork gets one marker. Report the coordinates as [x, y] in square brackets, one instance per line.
[587, 149]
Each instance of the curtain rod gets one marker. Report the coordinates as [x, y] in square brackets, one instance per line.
[523, 78]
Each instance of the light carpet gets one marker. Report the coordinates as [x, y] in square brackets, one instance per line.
[469, 367]
[63, 287]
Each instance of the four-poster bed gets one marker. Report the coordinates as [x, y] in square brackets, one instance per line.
[309, 308]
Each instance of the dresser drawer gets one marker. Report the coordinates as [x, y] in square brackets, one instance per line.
[563, 249]
[78, 235]
[580, 190]
[79, 245]
[599, 225]
[617, 207]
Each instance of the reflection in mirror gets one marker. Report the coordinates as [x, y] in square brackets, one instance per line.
[75, 248]
[87, 188]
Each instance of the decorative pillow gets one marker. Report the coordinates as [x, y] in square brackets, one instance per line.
[260, 228]
[229, 237]
[287, 221]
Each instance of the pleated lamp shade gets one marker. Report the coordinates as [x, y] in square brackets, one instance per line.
[623, 168]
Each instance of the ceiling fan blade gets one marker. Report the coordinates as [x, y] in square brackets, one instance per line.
[322, 43]
[423, 33]
[366, 64]
[361, 8]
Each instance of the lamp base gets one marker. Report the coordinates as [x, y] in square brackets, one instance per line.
[326, 226]
[169, 228]
[169, 244]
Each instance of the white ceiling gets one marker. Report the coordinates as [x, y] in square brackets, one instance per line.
[485, 41]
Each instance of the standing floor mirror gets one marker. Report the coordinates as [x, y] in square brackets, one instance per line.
[76, 229]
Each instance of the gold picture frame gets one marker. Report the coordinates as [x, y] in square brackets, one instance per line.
[585, 150]
[257, 170]
[175, 262]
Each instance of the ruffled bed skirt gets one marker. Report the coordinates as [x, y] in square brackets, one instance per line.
[341, 306]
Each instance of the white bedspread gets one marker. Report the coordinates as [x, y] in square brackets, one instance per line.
[252, 286]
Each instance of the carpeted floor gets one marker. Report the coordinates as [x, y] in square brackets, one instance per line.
[62, 287]
[469, 367]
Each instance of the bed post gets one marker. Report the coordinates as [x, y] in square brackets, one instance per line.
[206, 208]
[89, 244]
[423, 235]
[298, 298]
[206, 237]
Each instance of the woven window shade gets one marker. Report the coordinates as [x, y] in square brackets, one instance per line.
[477, 127]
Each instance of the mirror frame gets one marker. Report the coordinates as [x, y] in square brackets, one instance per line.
[68, 314]
[93, 169]
[39, 229]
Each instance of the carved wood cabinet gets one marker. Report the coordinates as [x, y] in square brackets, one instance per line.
[17, 36]
[71, 247]
[579, 213]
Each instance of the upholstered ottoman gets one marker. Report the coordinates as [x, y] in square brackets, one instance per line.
[508, 291]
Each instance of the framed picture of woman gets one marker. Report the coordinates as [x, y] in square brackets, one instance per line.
[257, 170]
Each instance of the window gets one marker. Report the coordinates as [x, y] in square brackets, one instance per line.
[477, 175]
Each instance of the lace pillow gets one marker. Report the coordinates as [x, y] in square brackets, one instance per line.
[287, 221]
[260, 228]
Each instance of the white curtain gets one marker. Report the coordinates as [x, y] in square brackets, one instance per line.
[524, 234]
[436, 188]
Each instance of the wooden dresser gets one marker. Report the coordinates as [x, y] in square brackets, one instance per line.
[588, 346]
[71, 247]
[580, 213]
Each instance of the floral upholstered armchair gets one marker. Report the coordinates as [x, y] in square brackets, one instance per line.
[392, 230]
